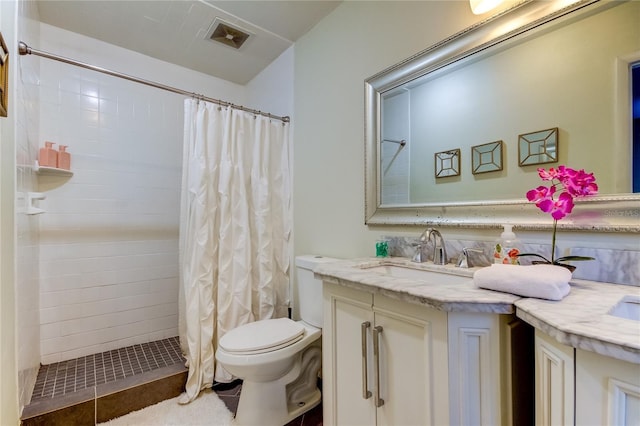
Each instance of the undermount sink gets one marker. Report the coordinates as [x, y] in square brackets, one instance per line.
[627, 308]
[421, 276]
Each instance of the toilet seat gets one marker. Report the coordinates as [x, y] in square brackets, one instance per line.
[262, 336]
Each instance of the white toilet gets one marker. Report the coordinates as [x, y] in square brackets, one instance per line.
[278, 359]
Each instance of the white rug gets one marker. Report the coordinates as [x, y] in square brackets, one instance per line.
[207, 409]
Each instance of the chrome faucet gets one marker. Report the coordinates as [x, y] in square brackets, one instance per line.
[439, 250]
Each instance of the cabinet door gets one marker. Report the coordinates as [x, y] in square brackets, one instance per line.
[476, 356]
[412, 364]
[554, 382]
[607, 390]
[347, 387]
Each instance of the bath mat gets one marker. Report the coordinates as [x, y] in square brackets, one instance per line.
[207, 409]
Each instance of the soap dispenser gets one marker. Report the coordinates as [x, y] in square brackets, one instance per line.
[48, 156]
[64, 158]
[507, 248]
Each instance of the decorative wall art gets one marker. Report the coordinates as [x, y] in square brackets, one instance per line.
[486, 157]
[447, 163]
[538, 147]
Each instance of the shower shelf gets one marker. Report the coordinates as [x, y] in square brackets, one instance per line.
[51, 171]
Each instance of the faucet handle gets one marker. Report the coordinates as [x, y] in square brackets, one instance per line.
[463, 259]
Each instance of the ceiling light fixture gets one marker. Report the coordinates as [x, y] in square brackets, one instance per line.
[478, 7]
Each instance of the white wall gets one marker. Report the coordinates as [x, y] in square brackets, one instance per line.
[272, 89]
[331, 63]
[18, 233]
[109, 238]
[8, 367]
[27, 253]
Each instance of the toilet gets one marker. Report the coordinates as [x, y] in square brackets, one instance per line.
[279, 359]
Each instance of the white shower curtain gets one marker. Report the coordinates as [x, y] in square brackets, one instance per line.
[235, 228]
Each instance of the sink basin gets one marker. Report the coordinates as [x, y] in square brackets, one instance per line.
[422, 276]
[627, 308]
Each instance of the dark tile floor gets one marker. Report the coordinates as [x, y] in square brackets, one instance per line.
[58, 379]
[229, 393]
[99, 387]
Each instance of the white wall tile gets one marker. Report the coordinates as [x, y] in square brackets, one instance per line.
[109, 240]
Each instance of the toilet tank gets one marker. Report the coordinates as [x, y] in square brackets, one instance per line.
[310, 288]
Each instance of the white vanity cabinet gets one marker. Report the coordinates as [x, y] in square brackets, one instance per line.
[388, 362]
[410, 365]
[603, 390]
[554, 382]
[607, 390]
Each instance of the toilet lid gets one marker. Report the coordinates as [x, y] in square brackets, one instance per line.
[262, 336]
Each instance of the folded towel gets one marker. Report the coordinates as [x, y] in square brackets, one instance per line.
[541, 281]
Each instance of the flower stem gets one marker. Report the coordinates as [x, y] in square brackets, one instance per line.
[553, 241]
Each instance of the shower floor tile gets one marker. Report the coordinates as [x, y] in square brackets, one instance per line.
[58, 379]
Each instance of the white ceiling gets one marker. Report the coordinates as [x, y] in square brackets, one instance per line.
[175, 30]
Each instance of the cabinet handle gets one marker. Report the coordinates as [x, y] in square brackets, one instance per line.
[377, 330]
[366, 393]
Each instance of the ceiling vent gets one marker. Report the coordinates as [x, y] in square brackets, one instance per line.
[225, 33]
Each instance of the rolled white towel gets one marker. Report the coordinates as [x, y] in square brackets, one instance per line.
[541, 281]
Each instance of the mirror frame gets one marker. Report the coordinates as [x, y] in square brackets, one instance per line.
[610, 213]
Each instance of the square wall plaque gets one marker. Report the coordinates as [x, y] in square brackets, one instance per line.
[447, 163]
[486, 157]
[538, 147]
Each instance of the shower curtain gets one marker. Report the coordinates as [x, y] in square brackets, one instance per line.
[235, 229]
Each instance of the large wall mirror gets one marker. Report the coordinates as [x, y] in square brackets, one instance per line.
[543, 84]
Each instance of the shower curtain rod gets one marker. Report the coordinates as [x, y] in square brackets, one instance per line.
[24, 49]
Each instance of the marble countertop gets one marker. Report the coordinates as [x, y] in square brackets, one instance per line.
[459, 297]
[579, 320]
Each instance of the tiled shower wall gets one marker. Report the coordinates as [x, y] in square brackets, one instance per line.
[109, 237]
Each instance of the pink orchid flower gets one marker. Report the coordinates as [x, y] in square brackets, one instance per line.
[581, 184]
[540, 194]
[558, 208]
[570, 184]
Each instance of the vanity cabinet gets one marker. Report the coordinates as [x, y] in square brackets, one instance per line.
[607, 390]
[554, 381]
[603, 390]
[389, 362]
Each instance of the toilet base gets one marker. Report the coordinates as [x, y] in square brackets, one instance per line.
[268, 408]
[278, 402]
[298, 410]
